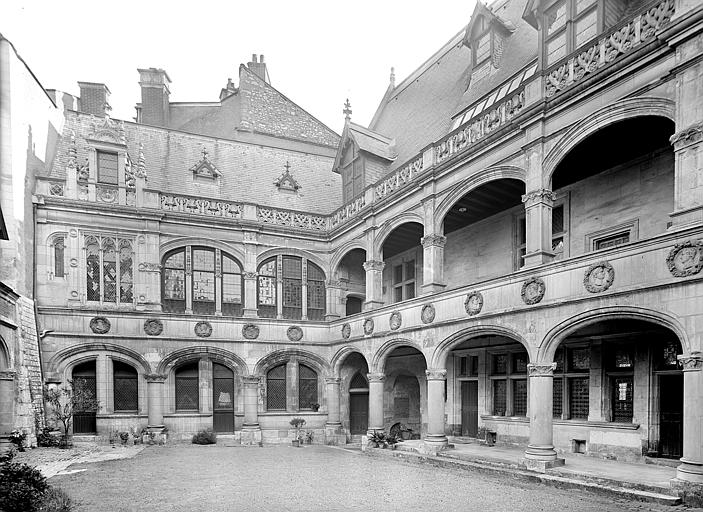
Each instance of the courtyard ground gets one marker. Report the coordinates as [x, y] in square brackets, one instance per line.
[310, 478]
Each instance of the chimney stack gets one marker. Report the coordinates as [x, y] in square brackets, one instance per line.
[259, 68]
[94, 98]
[154, 108]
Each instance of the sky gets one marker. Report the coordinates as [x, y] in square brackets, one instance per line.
[318, 52]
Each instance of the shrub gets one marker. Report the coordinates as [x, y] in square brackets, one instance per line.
[22, 487]
[17, 438]
[205, 437]
[55, 500]
[46, 439]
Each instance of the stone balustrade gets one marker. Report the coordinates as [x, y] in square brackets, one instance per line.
[291, 218]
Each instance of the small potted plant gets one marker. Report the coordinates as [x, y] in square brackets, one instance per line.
[309, 435]
[297, 424]
[315, 407]
[17, 438]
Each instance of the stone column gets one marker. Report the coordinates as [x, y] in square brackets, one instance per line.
[436, 438]
[538, 227]
[333, 416]
[433, 263]
[376, 381]
[251, 430]
[155, 398]
[540, 453]
[691, 468]
[374, 284]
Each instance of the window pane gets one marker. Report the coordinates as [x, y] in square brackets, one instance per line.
[500, 364]
[174, 284]
[558, 219]
[276, 388]
[230, 266]
[558, 247]
[125, 387]
[586, 28]
[268, 268]
[578, 398]
[58, 257]
[176, 260]
[463, 366]
[316, 300]
[556, 18]
[499, 397]
[231, 288]
[558, 397]
[307, 385]
[622, 399]
[582, 5]
[109, 271]
[398, 294]
[292, 293]
[187, 389]
[520, 397]
[292, 268]
[126, 278]
[397, 274]
[410, 291]
[612, 241]
[267, 291]
[521, 231]
[580, 359]
[483, 47]
[556, 48]
[410, 270]
[520, 363]
[203, 286]
[203, 260]
[315, 273]
[107, 167]
[559, 359]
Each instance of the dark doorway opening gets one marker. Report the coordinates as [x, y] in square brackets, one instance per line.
[222, 398]
[671, 416]
[84, 421]
[469, 408]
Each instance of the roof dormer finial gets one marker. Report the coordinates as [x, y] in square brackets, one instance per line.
[347, 110]
[392, 77]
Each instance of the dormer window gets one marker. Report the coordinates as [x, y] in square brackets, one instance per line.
[107, 167]
[352, 174]
[482, 38]
[569, 24]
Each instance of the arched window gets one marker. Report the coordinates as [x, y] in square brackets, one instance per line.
[296, 275]
[109, 270]
[187, 389]
[126, 387]
[59, 254]
[307, 387]
[215, 277]
[276, 388]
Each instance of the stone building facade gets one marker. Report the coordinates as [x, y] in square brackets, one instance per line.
[511, 248]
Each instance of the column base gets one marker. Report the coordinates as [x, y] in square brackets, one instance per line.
[334, 434]
[540, 458]
[249, 313]
[251, 434]
[534, 259]
[684, 218]
[432, 444]
[690, 471]
[691, 493]
[372, 304]
[155, 434]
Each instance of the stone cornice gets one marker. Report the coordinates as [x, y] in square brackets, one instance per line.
[541, 369]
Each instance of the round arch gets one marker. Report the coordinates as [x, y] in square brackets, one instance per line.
[68, 356]
[289, 251]
[4, 355]
[218, 355]
[618, 111]
[177, 243]
[564, 329]
[342, 251]
[281, 356]
[389, 227]
[378, 361]
[341, 356]
[472, 182]
[441, 351]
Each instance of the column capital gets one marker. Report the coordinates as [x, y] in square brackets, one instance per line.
[251, 276]
[692, 362]
[332, 380]
[251, 380]
[541, 369]
[376, 377]
[433, 240]
[541, 195]
[374, 265]
[688, 136]
[155, 377]
[436, 374]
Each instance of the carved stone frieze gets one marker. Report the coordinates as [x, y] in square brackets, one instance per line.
[348, 211]
[427, 314]
[473, 303]
[368, 326]
[691, 362]
[203, 329]
[155, 377]
[687, 136]
[250, 275]
[541, 370]
[149, 267]
[395, 320]
[291, 218]
[153, 326]
[107, 130]
[399, 178]
[436, 374]
[294, 333]
[539, 196]
[100, 325]
[686, 259]
[250, 331]
[198, 206]
[375, 377]
[106, 194]
[433, 241]
[599, 277]
[346, 331]
[533, 290]
[374, 265]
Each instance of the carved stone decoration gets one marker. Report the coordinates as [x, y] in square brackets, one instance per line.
[687, 136]
[73, 233]
[533, 290]
[376, 377]
[73, 262]
[149, 267]
[250, 331]
[541, 370]
[286, 181]
[427, 314]
[433, 241]
[346, 331]
[686, 259]
[203, 329]
[153, 326]
[100, 325]
[250, 275]
[436, 374]
[473, 303]
[294, 333]
[395, 320]
[692, 361]
[368, 326]
[599, 277]
[204, 168]
[155, 377]
[374, 265]
[540, 195]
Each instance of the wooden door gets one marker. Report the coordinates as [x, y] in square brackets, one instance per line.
[358, 413]
[469, 408]
[671, 416]
[84, 421]
[222, 398]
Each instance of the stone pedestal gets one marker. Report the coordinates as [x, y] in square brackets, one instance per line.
[374, 284]
[251, 430]
[433, 263]
[155, 392]
[435, 439]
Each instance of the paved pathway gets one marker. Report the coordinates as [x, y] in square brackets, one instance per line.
[311, 478]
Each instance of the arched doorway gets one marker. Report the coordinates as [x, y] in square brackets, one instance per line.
[222, 398]
[358, 404]
[406, 390]
[83, 375]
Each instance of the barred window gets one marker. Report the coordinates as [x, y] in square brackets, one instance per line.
[59, 250]
[187, 388]
[358, 382]
[509, 381]
[107, 167]
[622, 399]
[578, 398]
[307, 387]
[126, 387]
[276, 388]
[109, 270]
[571, 382]
[499, 397]
[520, 397]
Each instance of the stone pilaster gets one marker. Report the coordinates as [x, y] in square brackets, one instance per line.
[155, 399]
[433, 263]
[251, 431]
[374, 284]
[333, 290]
[436, 438]
[333, 415]
[538, 226]
[250, 309]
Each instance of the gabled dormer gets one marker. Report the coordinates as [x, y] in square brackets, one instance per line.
[204, 171]
[485, 35]
[363, 157]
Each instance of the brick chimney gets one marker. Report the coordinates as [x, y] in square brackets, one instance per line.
[258, 67]
[94, 98]
[154, 108]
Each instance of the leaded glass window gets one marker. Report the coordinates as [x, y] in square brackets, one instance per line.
[571, 382]
[509, 381]
[231, 287]
[267, 289]
[187, 388]
[126, 387]
[93, 287]
[203, 281]
[174, 286]
[520, 397]
[578, 398]
[622, 399]
[316, 292]
[276, 388]
[109, 270]
[59, 263]
[292, 287]
[499, 397]
[126, 268]
[293, 279]
[307, 387]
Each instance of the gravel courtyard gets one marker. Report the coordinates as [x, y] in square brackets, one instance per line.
[311, 478]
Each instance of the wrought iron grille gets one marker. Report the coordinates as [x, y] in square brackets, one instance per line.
[499, 397]
[622, 399]
[358, 382]
[307, 387]
[59, 257]
[558, 397]
[520, 397]
[126, 393]
[578, 398]
[276, 388]
[187, 393]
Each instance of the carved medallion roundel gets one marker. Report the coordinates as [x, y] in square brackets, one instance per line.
[100, 325]
[599, 277]
[686, 259]
[153, 326]
[346, 331]
[533, 290]
[250, 331]
[368, 326]
[395, 320]
[473, 303]
[427, 314]
[203, 329]
[295, 333]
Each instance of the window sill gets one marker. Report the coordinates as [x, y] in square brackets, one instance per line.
[186, 414]
[120, 414]
[295, 413]
[506, 419]
[597, 424]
